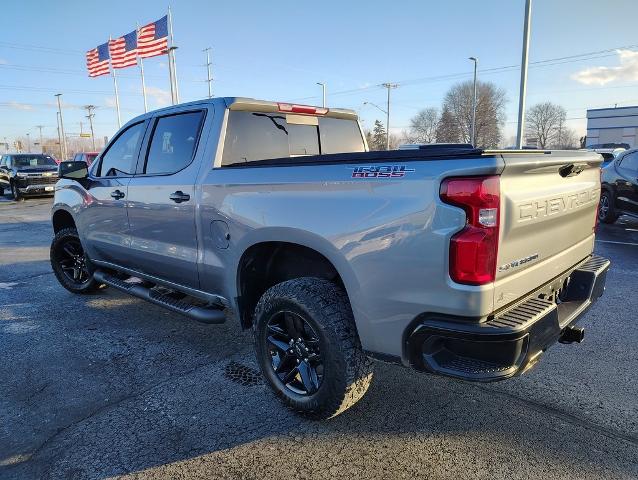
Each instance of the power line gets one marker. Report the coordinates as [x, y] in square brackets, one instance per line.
[539, 63]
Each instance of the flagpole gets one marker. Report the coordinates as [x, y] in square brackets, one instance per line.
[141, 63]
[171, 60]
[117, 99]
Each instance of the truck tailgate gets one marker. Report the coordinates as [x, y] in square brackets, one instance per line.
[548, 212]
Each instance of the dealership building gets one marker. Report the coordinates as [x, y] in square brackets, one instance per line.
[612, 125]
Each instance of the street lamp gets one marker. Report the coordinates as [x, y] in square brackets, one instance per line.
[473, 141]
[323, 90]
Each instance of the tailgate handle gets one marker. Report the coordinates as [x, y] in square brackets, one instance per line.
[570, 170]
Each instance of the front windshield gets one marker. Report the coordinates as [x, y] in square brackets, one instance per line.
[33, 161]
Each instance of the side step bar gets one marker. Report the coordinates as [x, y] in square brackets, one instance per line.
[200, 314]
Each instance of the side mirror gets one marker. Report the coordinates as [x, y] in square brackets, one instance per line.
[73, 170]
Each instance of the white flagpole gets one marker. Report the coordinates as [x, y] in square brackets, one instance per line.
[117, 96]
[141, 63]
[117, 99]
[171, 60]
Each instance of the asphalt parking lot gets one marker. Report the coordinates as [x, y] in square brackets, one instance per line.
[107, 386]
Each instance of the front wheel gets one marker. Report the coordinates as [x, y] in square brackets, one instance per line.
[16, 193]
[308, 348]
[606, 211]
[69, 262]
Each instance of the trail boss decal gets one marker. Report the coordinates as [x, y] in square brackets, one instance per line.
[380, 171]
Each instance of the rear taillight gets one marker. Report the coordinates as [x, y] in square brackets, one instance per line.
[304, 109]
[473, 250]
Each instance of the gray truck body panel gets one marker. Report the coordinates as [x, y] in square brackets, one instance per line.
[388, 238]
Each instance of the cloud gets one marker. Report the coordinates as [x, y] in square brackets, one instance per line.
[19, 106]
[3, 62]
[627, 71]
[161, 97]
[162, 65]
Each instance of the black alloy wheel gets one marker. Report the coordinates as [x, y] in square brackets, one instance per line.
[308, 349]
[70, 264]
[606, 212]
[294, 349]
[70, 257]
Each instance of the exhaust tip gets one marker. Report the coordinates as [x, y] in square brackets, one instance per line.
[572, 335]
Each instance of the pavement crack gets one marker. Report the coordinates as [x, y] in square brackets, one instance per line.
[567, 417]
[109, 406]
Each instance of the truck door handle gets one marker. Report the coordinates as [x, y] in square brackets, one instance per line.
[117, 194]
[179, 197]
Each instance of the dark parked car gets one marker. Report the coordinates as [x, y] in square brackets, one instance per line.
[619, 183]
[28, 174]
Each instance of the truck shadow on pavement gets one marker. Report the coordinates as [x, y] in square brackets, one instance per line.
[109, 385]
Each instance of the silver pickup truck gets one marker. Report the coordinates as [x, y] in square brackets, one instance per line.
[447, 259]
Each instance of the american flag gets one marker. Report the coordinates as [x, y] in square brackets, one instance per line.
[97, 60]
[152, 39]
[124, 50]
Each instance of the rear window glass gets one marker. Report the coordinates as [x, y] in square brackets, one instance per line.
[338, 136]
[252, 136]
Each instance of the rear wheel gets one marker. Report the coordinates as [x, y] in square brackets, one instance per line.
[308, 348]
[69, 262]
[606, 211]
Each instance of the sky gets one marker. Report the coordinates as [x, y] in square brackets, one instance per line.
[583, 54]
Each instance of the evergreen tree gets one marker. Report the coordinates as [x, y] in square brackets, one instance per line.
[378, 137]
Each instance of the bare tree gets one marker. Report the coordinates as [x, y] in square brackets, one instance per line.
[456, 119]
[546, 123]
[423, 126]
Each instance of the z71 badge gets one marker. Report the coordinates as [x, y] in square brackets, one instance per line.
[380, 171]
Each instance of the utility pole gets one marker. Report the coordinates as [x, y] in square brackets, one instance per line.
[63, 141]
[323, 91]
[40, 127]
[524, 60]
[57, 118]
[89, 109]
[389, 86]
[473, 136]
[209, 78]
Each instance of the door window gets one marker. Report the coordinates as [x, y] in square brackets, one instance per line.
[120, 158]
[173, 144]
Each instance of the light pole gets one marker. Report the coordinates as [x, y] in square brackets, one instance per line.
[63, 142]
[473, 136]
[40, 127]
[323, 90]
[209, 78]
[389, 86]
[89, 109]
[524, 60]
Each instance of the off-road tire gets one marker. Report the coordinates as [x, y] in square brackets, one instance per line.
[347, 371]
[16, 195]
[84, 287]
[610, 215]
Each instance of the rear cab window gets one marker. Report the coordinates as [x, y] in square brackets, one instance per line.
[252, 136]
[173, 143]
